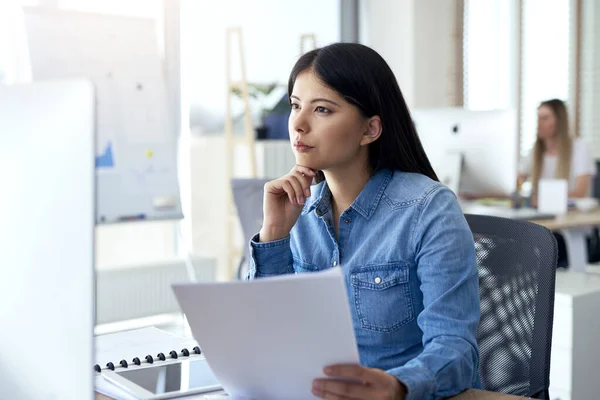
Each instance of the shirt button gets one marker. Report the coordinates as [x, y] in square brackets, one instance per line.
[378, 280]
[335, 263]
[347, 221]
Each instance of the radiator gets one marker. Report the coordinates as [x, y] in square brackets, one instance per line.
[144, 290]
[274, 158]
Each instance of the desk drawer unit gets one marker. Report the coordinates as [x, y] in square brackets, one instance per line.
[558, 394]
[575, 359]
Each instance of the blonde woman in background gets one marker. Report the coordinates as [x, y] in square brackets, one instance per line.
[557, 155]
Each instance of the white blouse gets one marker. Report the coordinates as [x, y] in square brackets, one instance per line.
[582, 163]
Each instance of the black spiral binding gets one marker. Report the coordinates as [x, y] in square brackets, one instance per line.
[149, 359]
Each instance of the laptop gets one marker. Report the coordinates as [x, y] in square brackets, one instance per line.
[47, 240]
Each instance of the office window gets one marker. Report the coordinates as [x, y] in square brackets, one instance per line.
[545, 60]
[490, 54]
[498, 73]
[14, 55]
[589, 121]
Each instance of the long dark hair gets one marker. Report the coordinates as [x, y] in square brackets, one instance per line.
[364, 79]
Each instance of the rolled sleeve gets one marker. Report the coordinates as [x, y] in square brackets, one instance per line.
[447, 270]
[270, 258]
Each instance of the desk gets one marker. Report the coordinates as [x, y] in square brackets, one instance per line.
[471, 394]
[575, 359]
[574, 226]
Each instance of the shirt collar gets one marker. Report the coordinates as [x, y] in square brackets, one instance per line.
[365, 204]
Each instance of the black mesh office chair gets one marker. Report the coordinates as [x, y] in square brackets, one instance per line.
[248, 199]
[593, 239]
[517, 266]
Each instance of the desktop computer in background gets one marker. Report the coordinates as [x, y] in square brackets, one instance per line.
[474, 153]
[47, 240]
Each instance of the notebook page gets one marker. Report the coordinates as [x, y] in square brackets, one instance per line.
[114, 347]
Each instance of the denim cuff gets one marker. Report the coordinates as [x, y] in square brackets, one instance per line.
[271, 258]
[418, 381]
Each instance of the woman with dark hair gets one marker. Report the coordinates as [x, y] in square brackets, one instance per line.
[378, 212]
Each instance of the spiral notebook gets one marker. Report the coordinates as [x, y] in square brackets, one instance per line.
[139, 347]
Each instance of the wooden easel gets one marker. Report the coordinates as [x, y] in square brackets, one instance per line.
[248, 139]
[310, 37]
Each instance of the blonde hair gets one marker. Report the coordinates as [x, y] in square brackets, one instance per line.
[564, 145]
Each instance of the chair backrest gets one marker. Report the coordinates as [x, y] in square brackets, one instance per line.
[596, 182]
[248, 199]
[517, 266]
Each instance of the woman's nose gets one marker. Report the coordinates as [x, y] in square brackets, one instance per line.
[299, 122]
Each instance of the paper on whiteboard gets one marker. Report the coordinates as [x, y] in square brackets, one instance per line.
[120, 56]
[269, 338]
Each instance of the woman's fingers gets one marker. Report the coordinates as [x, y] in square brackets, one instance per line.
[332, 389]
[289, 190]
[305, 182]
[296, 184]
[299, 188]
[305, 176]
[308, 172]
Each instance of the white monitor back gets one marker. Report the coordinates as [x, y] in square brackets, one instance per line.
[486, 140]
[47, 240]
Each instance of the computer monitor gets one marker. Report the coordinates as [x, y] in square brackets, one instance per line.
[47, 240]
[485, 141]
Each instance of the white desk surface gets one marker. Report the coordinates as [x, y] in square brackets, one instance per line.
[574, 284]
[573, 219]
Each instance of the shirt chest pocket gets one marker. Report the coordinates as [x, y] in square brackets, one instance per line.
[382, 296]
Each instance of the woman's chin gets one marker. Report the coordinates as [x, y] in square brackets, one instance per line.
[306, 162]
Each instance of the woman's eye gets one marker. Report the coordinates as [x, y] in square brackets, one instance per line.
[322, 110]
[294, 106]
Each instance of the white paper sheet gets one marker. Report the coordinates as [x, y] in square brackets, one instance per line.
[553, 196]
[269, 338]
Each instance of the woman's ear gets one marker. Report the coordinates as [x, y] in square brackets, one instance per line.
[372, 132]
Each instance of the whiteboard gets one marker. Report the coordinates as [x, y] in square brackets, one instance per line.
[136, 138]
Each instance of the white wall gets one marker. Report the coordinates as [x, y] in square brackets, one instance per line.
[388, 27]
[271, 35]
[419, 40]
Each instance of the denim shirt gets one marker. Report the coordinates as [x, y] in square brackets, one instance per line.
[408, 259]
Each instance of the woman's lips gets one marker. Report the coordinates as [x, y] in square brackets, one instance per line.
[302, 148]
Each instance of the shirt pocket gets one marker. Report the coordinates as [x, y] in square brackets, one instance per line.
[303, 266]
[382, 296]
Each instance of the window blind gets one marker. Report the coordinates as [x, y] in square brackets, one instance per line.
[546, 60]
[489, 40]
[589, 120]
[14, 56]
